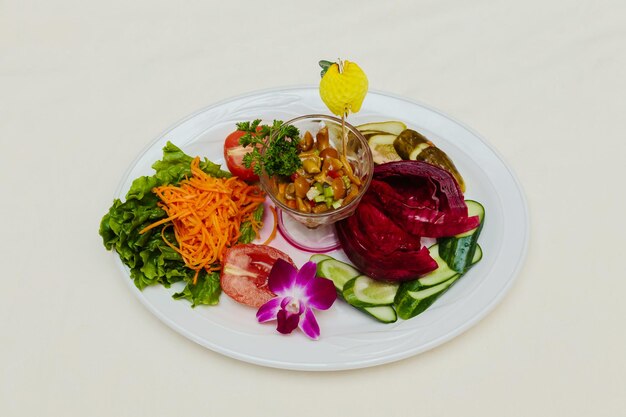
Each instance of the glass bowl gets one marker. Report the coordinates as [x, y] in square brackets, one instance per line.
[314, 232]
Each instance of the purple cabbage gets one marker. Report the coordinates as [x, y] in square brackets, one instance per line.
[406, 200]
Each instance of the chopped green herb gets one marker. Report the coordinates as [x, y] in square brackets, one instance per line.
[274, 148]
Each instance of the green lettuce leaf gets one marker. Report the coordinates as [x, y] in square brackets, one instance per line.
[205, 292]
[175, 166]
[150, 260]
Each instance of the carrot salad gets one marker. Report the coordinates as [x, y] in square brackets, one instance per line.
[206, 213]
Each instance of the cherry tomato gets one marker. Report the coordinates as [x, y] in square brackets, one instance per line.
[233, 155]
[245, 271]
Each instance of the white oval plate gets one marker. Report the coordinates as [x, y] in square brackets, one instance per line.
[349, 338]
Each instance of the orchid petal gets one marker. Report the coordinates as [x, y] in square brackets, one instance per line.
[320, 293]
[287, 321]
[299, 292]
[309, 325]
[282, 277]
[289, 303]
[269, 310]
[306, 274]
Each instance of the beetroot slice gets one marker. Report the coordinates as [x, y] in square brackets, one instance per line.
[406, 200]
[401, 264]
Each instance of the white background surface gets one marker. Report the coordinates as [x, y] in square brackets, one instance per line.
[85, 85]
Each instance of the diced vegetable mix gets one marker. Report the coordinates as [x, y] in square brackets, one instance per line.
[323, 183]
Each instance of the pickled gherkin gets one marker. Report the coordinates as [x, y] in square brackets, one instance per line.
[412, 145]
[392, 127]
[383, 149]
[409, 144]
[438, 158]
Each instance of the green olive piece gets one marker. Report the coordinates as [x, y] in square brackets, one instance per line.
[312, 165]
[302, 187]
[322, 139]
[307, 142]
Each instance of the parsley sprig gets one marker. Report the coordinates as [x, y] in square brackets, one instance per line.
[280, 144]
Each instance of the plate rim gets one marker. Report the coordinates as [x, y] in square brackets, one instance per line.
[472, 321]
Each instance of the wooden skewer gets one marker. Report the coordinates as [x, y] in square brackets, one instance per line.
[344, 136]
[344, 139]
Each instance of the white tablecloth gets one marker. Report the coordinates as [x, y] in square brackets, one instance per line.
[85, 85]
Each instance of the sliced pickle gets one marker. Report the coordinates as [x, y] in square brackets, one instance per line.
[413, 145]
[393, 127]
[410, 143]
[437, 157]
[382, 148]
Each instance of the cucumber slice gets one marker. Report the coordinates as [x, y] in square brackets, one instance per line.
[386, 314]
[430, 291]
[478, 254]
[340, 273]
[336, 271]
[458, 251]
[441, 274]
[474, 208]
[414, 297]
[426, 298]
[319, 257]
[364, 291]
[443, 271]
[393, 127]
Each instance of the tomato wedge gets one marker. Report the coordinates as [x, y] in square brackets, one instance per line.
[245, 271]
[233, 155]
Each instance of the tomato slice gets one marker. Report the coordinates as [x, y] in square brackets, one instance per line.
[245, 271]
[233, 155]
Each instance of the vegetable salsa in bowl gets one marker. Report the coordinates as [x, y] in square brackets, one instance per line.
[329, 184]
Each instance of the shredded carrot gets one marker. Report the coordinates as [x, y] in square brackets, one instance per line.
[206, 213]
[273, 234]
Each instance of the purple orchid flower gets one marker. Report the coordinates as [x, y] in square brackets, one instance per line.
[298, 293]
